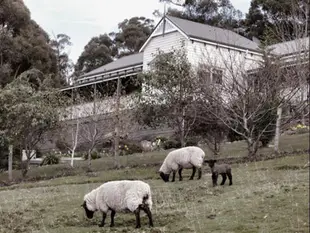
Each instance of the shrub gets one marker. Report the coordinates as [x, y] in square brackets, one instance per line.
[50, 159]
[61, 145]
[302, 130]
[130, 148]
[171, 143]
[161, 138]
[192, 141]
[94, 155]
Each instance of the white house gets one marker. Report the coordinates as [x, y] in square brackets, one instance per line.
[204, 44]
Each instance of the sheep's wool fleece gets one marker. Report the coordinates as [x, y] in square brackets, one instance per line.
[119, 196]
[185, 157]
[221, 168]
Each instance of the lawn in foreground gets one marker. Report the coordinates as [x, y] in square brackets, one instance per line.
[270, 196]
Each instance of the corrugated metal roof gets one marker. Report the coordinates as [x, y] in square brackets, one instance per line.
[213, 34]
[290, 47]
[123, 62]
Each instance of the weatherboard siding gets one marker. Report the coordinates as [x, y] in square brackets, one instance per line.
[164, 43]
[220, 57]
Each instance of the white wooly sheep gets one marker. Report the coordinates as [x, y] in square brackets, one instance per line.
[120, 196]
[186, 157]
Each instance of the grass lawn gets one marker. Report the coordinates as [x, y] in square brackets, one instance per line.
[268, 196]
[151, 160]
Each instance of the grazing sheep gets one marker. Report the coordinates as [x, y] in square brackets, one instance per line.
[120, 196]
[219, 169]
[176, 160]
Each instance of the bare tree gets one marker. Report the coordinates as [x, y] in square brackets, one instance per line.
[97, 126]
[294, 53]
[247, 101]
[123, 117]
[69, 130]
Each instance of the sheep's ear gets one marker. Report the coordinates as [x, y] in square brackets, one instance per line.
[84, 204]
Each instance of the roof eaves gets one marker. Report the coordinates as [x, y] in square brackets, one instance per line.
[214, 41]
[111, 70]
[149, 37]
[178, 26]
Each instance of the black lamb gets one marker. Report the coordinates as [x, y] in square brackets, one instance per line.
[219, 169]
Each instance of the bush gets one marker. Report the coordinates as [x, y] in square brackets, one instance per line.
[161, 138]
[50, 159]
[61, 145]
[192, 142]
[302, 130]
[171, 143]
[130, 148]
[94, 155]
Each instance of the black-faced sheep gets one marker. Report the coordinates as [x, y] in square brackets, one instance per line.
[119, 196]
[176, 160]
[219, 169]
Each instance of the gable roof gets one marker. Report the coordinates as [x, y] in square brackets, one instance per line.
[121, 63]
[193, 30]
[290, 47]
[213, 34]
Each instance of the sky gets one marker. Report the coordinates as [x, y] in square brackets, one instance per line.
[82, 20]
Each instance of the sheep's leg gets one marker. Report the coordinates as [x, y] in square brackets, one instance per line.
[137, 213]
[180, 174]
[199, 173]
[104, 215]
[193, 174]
[148, 212]
[214, 179]
[173, 176]
[112, 218]
[223, 179]
[230, 178]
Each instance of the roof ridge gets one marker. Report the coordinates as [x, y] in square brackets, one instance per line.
[205, 24]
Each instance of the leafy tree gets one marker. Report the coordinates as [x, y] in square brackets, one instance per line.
[216, 13]
[132, 34]
[24, 44]
[208, 127]
[28, 110]
[99, 51]
[103, 49]
[167, 95]
[266, 17]
[64, 64]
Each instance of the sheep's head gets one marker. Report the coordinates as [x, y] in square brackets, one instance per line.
[211, 162]
[164, 176]
[89, 213]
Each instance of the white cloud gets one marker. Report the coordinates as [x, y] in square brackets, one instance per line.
[82, 20]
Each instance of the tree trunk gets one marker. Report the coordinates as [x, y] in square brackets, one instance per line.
[252, 148]
[216, 147]
[89, 160]
[75, 141]
[182, 136]
[116, 133]
[278, 129]
[10, 165]
[72, 157]
[25, 168]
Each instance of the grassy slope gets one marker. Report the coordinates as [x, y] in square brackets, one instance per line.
[270, 196]
[237, 149]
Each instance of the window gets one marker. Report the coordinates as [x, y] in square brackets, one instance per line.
[211, 75]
